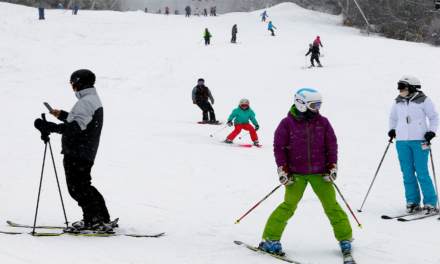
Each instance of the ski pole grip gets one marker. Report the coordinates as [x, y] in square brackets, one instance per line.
[391, 140]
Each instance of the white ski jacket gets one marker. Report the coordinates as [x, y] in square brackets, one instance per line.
[408, 117]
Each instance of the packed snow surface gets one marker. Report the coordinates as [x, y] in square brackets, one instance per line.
[160, 171]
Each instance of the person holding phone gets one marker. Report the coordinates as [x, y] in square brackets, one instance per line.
[408, 125]
[81, 133]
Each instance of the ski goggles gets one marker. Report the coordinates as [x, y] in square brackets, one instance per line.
[201, 82]
[244, 106]
[402, 85]
[311, 105]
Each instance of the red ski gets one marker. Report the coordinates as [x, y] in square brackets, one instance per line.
[206, 123]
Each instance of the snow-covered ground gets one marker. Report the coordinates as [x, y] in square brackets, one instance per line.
[160, 171]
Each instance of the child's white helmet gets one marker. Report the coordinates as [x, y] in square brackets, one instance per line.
[307, 98]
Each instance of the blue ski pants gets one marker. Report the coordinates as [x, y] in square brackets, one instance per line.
[414, 165]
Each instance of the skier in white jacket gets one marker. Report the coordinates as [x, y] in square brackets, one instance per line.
[196, 12]
[413, 135]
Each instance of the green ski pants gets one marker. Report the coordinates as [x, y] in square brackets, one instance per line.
[326, 193]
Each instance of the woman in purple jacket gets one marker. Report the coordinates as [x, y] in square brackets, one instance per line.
[306, 151]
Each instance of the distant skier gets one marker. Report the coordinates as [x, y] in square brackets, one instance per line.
[212, 11]
[317, 42]
[215, 11]
[205, 12]
[81, 133]
[242, 115]
[435, 39]
[264, 16]
[234, 34]
[200, 95]
[306, 151]
[60, 6]
[159, 12]
[408, 125]
[271, 27]
[167, 11]
[146, 10]
[207, 35]
[315, 55]
[176, 12]
[188, 11]
[196, 12]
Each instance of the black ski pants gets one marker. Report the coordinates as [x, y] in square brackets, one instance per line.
[264, 19]
[234, 38]
[207, 108]
[80, 188]
[315, 57]
[207, 41]
[187, 14]
[273, 33]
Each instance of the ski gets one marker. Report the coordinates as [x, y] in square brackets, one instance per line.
[267, 253]
[416, 218]
[83, 233]
[250, 146]
[235, 145]
[113, 223]
[398, 216]
[207, 123]
[306, 67]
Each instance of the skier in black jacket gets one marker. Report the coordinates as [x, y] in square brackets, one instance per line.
[200, 95]
[81, 133]
[315, 55]
[234, 34]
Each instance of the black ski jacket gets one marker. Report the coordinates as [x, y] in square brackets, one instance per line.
[82, 126]
[314, 50]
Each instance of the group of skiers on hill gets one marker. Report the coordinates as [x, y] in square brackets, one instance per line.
[213, 11]
[301, 162]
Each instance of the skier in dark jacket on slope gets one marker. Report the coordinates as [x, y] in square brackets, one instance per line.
[234, 34]
[315, 55]
[200, 95]
[81, 133]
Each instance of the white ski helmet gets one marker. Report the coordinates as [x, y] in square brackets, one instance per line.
[308, 98]
[412, 83]
[244, 102]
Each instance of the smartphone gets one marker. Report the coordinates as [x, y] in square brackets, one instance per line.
[48, 107]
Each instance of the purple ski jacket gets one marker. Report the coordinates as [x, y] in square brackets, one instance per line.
[305, 147]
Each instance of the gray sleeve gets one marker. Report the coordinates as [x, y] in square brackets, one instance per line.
[83, 111]
[210, 95]
[194, 94]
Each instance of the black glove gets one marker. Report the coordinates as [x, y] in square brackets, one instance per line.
[392, 133]
[230, 123]
[429, 135]
[257, 127]
[44, 126]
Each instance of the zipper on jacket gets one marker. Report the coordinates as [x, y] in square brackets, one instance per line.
[308, 147]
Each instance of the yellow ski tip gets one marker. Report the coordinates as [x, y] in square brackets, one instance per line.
[237, 222]
[360, 225]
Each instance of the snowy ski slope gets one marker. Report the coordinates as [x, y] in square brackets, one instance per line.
[160, 171]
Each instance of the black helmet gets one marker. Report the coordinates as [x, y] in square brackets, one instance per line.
[200, 80]
[82, 79]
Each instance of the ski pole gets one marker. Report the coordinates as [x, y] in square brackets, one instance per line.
[238, 221]
[41, 181]
[435, 180]
[200, 41]
[219, 130]
[380, 164]
[245, 135]
[359, 224]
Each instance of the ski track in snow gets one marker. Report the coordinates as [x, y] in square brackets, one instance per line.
[159, 171]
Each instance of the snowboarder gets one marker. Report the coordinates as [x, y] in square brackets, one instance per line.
[205, 13]
[207, 35]
[234, 34]
[81, 132]
[196, 12]
[306, 151]
[264, 16]
[317, 42]
[200, 95]
[188, 11]
[408, 125]
[167, 11]
[271, 26]
[242, 114]
[315, 55]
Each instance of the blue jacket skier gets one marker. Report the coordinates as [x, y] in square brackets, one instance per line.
[271, 27]
[264, 15]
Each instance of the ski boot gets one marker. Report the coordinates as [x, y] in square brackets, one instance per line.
[346, 251]
[228, 141]
[412, 208]
[256, 143]
[313, 65]
[319, 64]
[430, 209]
[96, 224]
[213, 121]
[272, 247]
